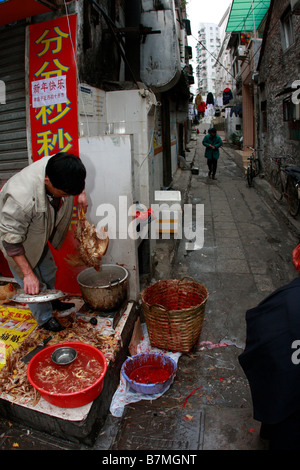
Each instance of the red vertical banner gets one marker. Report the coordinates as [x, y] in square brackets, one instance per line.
[53, 111]
[53, 87]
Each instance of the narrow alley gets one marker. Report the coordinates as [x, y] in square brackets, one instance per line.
[246, 255]
[120, 95]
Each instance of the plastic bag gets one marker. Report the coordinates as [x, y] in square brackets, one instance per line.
[124, 394]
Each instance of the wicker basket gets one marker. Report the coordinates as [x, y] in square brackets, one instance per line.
[174, 313]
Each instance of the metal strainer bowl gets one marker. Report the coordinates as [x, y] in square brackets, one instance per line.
[64, 356]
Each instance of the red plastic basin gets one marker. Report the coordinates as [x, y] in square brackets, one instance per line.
[75, 399]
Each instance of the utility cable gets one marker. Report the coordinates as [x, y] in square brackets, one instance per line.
[112, 28]
[256, 52]
[77, 71]
[217, 60]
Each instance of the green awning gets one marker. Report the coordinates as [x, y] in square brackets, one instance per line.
[247, 15]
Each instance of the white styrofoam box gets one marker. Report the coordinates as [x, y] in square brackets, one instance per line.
[169, 206]
[167, 196]
[168, 221]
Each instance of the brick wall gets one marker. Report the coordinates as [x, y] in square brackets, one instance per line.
[277, 67]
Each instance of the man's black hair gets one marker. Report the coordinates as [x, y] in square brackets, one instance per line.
[67, 173]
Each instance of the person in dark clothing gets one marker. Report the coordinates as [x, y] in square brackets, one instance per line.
[212, 142]
[210, 99]
[271, 363]
[227, 96]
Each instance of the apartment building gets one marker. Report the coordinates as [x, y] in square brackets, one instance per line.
[207, 51]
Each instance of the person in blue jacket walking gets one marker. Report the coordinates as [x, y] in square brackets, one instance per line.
[212, 142]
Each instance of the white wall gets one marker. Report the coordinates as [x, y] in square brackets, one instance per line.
[108, 160]
[128, 112]
[116, 145]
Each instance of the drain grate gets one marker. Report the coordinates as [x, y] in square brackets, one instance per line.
[148, 428]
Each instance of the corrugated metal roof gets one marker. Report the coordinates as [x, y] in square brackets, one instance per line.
[15, 10]
[13, 139]
[247, 15]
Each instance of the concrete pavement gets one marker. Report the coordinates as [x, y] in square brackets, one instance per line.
[246, 255]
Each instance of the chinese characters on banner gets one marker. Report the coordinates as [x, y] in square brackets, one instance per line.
[52, 73]
[15, 325]
[49, 91]
[54, 114]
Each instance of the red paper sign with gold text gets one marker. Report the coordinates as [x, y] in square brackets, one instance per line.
[53, 87]
[53, 111]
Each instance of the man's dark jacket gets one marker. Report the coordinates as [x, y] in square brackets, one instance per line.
[274, 379]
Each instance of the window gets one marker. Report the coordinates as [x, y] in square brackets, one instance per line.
[290, 110]
[287, 29]
[291, 114]
[294, 130]
[264, 116]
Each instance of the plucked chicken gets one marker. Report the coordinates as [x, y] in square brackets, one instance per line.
[6, 292]
[92, 245]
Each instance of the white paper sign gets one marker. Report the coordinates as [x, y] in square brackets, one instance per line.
[49, 91]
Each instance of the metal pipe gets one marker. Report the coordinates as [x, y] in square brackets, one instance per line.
[253, 14]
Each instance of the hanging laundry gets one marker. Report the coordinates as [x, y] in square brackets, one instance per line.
[227, 96]
[210, 110]
[237, 111]
[198, 99]
[227, 112]
[201, 107]
[245, 38]
[219, 101]
[210, 99]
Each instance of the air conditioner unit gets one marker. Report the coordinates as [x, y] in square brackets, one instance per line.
[187, 25]
[241, 52]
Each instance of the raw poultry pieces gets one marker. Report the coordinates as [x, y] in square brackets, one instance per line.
[92, 245]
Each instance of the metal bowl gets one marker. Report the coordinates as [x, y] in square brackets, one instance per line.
[64, 356]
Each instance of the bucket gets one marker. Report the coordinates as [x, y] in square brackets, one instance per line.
[157, 369]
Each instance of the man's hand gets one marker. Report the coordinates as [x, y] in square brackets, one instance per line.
[82, 202]
[30, 281]
[31, 284]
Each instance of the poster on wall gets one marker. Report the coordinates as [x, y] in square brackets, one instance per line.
[53, 112]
